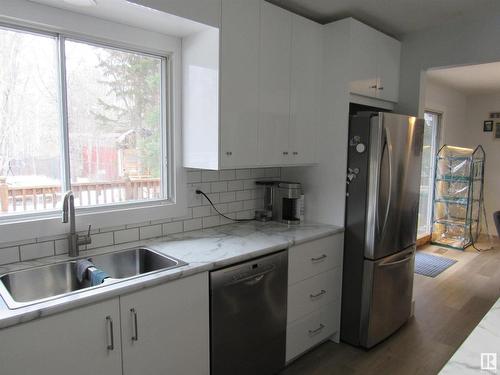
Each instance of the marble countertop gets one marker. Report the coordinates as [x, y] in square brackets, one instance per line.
[483, 340]
[203, 250]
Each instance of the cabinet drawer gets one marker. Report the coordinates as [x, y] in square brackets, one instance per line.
[311, 330]
[312, 258]
[311, 294]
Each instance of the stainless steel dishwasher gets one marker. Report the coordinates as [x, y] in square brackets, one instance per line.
[248, 316]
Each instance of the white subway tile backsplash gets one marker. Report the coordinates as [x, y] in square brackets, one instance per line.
[150, 231]
[9, 255]
[101, 240]
[127, 235]
[229, 196]
[219, 186]
[37, 250]
[235, 185]
[192, 224]
[243, 195]
[249, 184]
[228, 174]
[209, 176]
[62, 246]
[234, 206]
[211, 221]
[201, 211]
[232, 191]
[272, 172]
[214, 197]
[249, 205]
[258, 172]
[172, 228]
[245, 214]
[243, 174]
[193, 176]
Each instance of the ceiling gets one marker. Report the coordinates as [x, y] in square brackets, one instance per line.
[470, 80]
[122, 11]
[394, 17]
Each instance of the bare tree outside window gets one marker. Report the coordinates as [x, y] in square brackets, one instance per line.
[114, 123]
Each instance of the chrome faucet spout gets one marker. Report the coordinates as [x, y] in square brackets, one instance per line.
[68, 215]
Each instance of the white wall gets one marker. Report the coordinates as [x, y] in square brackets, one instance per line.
[478, 109]
[462, 125]
[463, 42]
[452, 106]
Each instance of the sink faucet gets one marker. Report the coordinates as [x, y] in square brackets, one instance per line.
[68, 214]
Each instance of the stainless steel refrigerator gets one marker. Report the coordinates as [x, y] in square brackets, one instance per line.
[383, 184]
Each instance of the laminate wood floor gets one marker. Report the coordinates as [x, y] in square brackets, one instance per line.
[447, 308]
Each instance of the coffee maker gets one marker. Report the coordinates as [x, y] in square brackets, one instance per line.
[283, 201]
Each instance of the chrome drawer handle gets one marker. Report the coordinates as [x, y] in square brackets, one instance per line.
[313, 332]
[109, 322]
[318, 294]
[318, 259]
[135, 337]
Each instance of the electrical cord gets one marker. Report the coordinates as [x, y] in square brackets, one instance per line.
[198, 191]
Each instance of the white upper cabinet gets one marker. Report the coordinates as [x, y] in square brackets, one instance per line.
[239, 91]
[375, 59]
[275, 57]
[251, 88]
[388, 60]
[305, 95]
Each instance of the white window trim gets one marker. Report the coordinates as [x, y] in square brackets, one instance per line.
[46, 224]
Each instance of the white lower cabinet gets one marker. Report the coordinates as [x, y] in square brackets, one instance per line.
[312, 329]
[314, 293]
[158, 330]
[165, 329]
[77, 342]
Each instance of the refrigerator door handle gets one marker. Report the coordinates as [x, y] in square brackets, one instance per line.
[387, 146]
[395, 263]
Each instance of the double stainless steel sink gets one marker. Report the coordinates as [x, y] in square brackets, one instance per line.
[42, 283]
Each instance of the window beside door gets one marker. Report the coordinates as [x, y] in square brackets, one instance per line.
[430, 146]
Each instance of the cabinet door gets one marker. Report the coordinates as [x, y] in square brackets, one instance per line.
[165, 329]
[388, 58]
[275, 54]
[305, 89]
[76, 342]
[239, 83]
[364, 74]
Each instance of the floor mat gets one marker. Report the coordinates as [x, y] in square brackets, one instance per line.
[431, 265]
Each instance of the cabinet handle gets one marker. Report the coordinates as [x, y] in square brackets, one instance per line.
[229, 153]
[373, 87]
[295, 153]
[318, 259]
[313, 332]
[319, 294]
[380, 88]
[111, 335]
[285, 152]
[135, 337]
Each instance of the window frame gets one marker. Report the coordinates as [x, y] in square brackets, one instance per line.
[436, 132]
[34, 224]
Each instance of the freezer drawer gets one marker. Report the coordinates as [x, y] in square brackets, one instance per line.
[387, 294]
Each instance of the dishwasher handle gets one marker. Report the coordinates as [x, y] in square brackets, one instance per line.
[252, 279]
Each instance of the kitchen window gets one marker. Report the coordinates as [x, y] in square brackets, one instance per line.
[82, 116]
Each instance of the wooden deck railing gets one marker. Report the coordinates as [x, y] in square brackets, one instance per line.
[27, 198]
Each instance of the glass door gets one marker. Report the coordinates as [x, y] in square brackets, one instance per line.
[431, 142]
